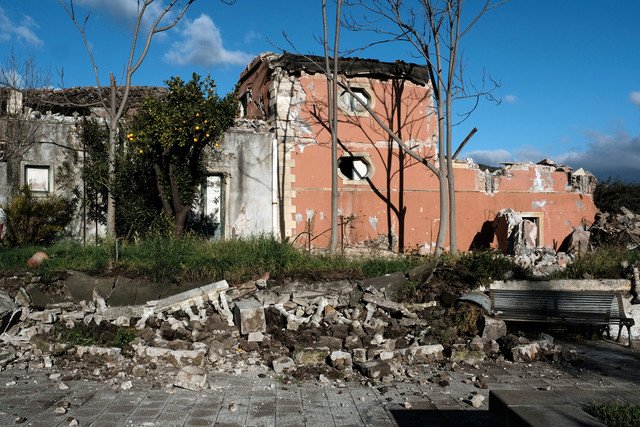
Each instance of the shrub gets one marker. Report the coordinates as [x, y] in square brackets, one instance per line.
[33, 220]
[610, 196]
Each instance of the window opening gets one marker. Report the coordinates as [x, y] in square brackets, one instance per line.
[38, 178]
[351, 104]
[532, 230]
[354, 168]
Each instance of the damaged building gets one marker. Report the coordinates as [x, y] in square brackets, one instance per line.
[386, 199]
[277, 176]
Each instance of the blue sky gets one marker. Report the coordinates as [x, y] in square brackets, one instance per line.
[569, 70]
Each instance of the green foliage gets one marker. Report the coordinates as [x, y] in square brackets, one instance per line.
[105, 334]
[375, 267]
[35, 220]
[610, 196]
[615, 414]
[604, 262]
[95, 169]
[170, 134]
[124, 336]
[480, 268]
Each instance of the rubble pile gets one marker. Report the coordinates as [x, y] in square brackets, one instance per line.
[340, 330]
[516, 236]
[620, 229]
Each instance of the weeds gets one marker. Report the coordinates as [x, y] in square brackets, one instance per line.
[615, 414]
[104, 335]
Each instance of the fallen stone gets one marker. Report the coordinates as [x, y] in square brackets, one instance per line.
[283, 364]
[525, 352]
[177, 358]
[191, 378]
[422, 354]
[470, 357]
[494, 329]
[249, 316]
[476, 344]
[390, 284]
[341, 360]
[211, 292]
[255, 337]
[109, 354]
[374, 369]
[311, 356]
[476, 400]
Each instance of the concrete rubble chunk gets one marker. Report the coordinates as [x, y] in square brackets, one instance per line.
[422, 354]
[311, 356]
[283, 364]
[374, 369]
[177, 358]
[470, 357]
[390, 284]
[249, 316]
[392, 306]
[109, 354]
[341, 359]
[211, 291]
[191, 378]
[526, 352]
[494, 329]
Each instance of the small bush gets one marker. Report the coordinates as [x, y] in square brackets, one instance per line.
[615, 414]
[480, 268]
[32, 220]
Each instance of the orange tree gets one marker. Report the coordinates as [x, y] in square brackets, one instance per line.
[172, 134]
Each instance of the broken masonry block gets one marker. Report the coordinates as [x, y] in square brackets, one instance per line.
[494, 329]
[191, 378]
[341, 359]
[283, 364]
[249, 316]
[374, 369]
[192, 297]
[311, 356]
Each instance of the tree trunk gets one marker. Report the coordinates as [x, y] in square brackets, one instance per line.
[113, 133]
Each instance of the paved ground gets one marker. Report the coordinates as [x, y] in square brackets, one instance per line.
[609, 372]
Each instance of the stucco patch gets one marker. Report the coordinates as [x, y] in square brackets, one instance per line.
[373, 220]
[538, 204]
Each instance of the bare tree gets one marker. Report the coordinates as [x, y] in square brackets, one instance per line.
[332, 100]
[114, 107]
[433, 28]
[21, 126]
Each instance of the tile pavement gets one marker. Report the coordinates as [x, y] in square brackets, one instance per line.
[608, 372]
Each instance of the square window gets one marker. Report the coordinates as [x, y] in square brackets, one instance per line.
[37, 178]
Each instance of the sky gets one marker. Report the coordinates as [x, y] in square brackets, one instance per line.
[569, 71]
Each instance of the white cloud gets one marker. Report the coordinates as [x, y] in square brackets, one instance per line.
[127, 11]
[608, 156]
[201, 44]
[123, 8]
[635, 98]
[488, 157]
[22, 31]
[251, 36]
[510, 99]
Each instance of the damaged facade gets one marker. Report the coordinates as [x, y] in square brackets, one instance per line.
[41, 144]
[278, 175]
[386, 199]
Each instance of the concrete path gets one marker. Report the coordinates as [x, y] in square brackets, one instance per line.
[609, 372]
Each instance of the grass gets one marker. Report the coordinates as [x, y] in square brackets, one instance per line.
[615, 414]
[163, 259]
[603, 263]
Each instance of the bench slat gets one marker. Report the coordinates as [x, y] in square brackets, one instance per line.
[601, 308]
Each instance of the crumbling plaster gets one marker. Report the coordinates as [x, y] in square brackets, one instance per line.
[297, 110]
